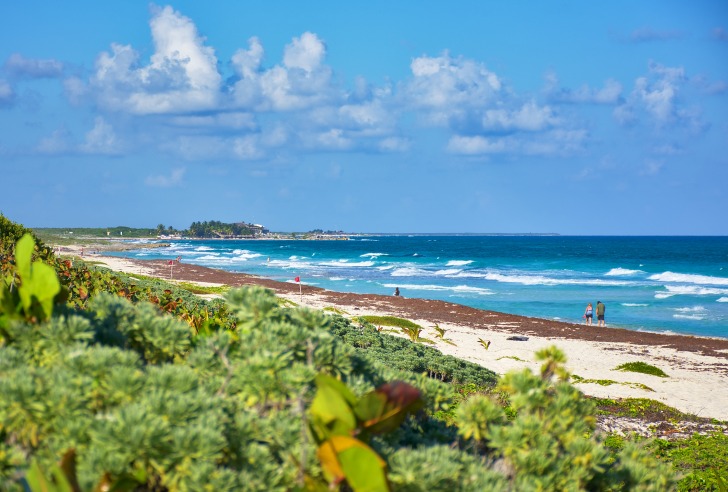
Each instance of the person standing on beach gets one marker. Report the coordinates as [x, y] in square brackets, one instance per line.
[600, 313]
[588, 314]
[396, 291]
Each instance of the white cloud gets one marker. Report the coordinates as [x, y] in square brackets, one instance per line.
[161, 181]
[247, 148]
[301, 82]
[19, 66]
[181, 76]
[306, 52]
[233, 120]
[476, 145]
[445, 84]
[57, 143]
[652, 168]
[528, 117]
[610, 93]
[394, 144]
[101, 139]
[554, 142]
[655, 97]
[7, 94]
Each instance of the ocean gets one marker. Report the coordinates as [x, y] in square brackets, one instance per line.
[664, 284]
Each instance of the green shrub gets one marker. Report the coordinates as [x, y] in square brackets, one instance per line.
[641, 367]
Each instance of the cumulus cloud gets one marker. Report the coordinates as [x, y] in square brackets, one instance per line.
[302, 81]
[528, 117]
[101, 139]
[610, 93]
[654, 98]
[181, 75]
[162, 181]
[20, 67]
[447, 88]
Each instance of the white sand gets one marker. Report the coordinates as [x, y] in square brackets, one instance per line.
[696, 384]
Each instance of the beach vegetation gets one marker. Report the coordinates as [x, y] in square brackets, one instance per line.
[131, 385]
[203, 289]
[484, 343]
[608, 382]
[440, 334]
[701, 460]
[641, 367]
[514, 357]
[389, 321]
[335, 310]
[284, 302]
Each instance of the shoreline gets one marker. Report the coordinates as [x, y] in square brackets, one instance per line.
[697, 366]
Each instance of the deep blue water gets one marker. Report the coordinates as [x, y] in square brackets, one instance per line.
[675, 284]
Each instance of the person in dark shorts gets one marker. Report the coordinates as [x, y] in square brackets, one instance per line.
[588, 314]
[601, 308]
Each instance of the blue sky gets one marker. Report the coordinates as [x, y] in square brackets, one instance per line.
[553, 116]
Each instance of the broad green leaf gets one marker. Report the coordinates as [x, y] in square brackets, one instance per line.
[45, 286]
[344, 457]
[397, 400]
[326, 380]
[332, 407]
[23, 253]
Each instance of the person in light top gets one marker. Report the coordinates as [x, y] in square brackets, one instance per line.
[588, 314]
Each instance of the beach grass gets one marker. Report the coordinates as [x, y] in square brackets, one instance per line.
[641, 367]
[203, 289]
[608, 382]
[389, 321]
[331, 309]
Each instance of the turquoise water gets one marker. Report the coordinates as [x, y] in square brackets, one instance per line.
[672, 284]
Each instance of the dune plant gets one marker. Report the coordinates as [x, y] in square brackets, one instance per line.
[641, 367]
[484, 343]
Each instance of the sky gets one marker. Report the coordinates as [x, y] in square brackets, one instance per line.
[568, 117]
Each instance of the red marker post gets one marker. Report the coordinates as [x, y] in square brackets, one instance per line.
[300, 287]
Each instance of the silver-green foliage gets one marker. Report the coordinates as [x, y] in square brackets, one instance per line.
[147, 406]
[549, 444]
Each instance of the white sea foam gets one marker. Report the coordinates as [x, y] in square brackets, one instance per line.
[433, 287]
[373, 255]
[722, 299]
[541, 280]
[408, 272]
[448, 272]
[210, 257]
[693, 309]
[203, 248]
[622, 271]
[696, 317]
[336, 279]
[634, 304]
[346, 263]
[459, 262]
[688, 278]
[385, 267]
[689, 290]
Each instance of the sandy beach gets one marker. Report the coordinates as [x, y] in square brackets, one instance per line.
[697, 367]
